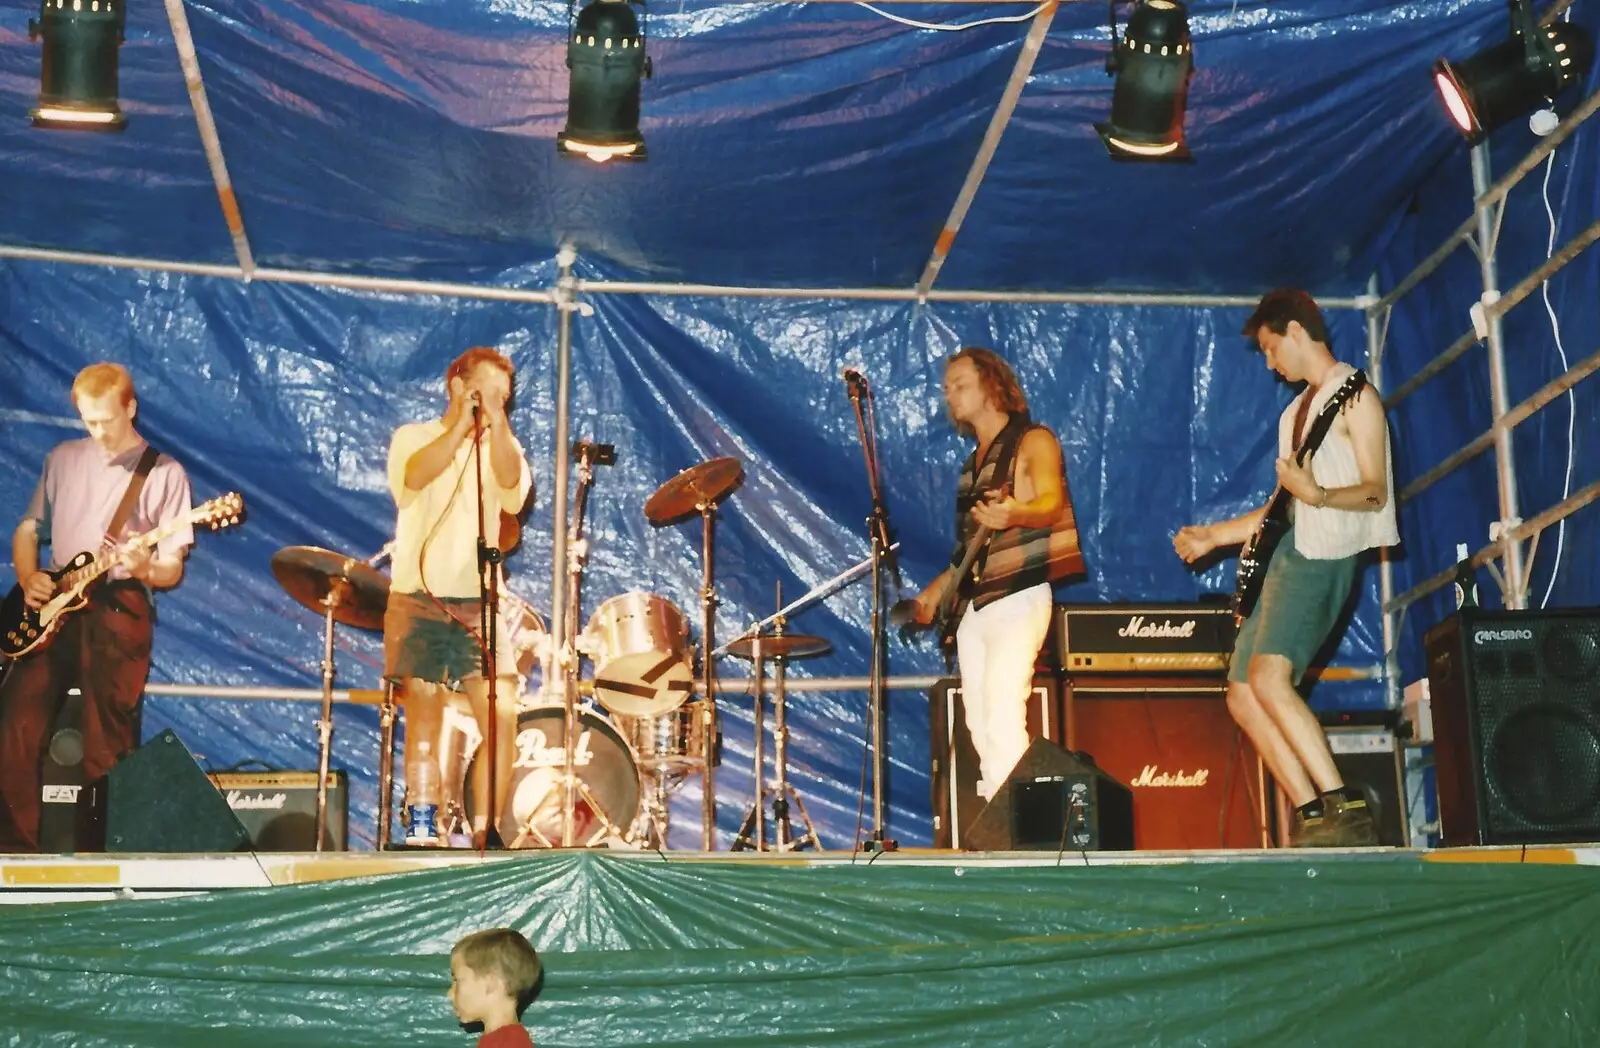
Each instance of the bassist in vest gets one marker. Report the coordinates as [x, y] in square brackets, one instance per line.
[1016, 535]
[1335, 500]
[104, 648]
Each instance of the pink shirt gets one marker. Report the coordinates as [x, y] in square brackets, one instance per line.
[81, 488]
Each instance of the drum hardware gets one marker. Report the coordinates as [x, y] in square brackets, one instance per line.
[780, 648]
[589, 455]
[344, 590]
[698, 489]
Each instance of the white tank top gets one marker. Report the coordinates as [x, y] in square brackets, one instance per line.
[1328, 533]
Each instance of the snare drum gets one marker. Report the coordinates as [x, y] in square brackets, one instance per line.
[671, 744]
[639, 644]
[603, 763]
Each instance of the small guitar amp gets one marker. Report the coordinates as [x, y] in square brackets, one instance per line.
[279, 808]
[1144, 638]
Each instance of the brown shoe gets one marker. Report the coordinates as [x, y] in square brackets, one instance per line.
[1314, 832]
[1352, 825]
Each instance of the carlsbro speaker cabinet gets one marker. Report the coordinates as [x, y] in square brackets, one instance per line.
[1516, 725]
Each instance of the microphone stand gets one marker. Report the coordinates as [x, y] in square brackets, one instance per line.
[882, 548]
[489, 557]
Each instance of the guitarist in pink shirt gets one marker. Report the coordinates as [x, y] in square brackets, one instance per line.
[1335, 500]
[104, 648]
[1015, 535]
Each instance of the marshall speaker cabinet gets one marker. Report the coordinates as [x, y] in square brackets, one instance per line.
[1196, 780]
[1516, 725]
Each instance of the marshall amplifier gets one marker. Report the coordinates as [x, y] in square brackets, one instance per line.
[1144, 638]
[279, 808]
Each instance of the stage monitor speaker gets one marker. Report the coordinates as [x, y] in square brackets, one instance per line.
[1516, 725]
[279, 808]
[954, 761]
[1054, 799]
[159, 800]
[1196, 781]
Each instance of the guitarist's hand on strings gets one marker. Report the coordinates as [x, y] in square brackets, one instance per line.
[38, 588]
[997, 512]
[1298, 481]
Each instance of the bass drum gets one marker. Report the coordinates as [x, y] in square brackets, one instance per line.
[605, 767]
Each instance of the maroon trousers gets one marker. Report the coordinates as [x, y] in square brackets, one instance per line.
[102, 649]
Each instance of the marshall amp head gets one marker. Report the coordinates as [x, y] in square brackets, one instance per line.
[1144, 638]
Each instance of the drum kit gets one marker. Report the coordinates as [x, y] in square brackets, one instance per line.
[650, 724]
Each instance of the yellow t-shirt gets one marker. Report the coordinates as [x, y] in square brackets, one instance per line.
[436, 534]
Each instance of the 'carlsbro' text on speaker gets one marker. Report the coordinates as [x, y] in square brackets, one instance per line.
[1516, 721]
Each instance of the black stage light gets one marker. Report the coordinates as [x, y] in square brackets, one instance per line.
[1152, 65]
[78, 78]
[1504, 81]
[605, 51]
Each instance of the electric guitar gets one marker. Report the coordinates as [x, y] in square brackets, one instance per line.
[24, 629]
[1257, 552]
[953, 597]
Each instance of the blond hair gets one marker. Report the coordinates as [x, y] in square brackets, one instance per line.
[503, 952]
[103, 379]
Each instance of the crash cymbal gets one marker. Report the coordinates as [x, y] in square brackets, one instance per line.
[705, 484]
[781, 646]
[310, 574]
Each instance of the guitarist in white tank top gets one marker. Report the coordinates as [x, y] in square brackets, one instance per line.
[1340, 502]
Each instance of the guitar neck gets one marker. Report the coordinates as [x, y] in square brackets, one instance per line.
[108, 559]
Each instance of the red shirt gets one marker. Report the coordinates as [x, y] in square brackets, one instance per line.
[513, 1036]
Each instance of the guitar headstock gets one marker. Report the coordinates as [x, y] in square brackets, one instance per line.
[224, 511]
[1347, 390]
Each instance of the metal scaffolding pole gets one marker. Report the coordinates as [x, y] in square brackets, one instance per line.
[566, 660]
[1505, 463]
[1377, 318]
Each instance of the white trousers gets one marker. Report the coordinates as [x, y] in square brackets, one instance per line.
[996, 646]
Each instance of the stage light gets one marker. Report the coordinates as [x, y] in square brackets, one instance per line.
[1502, 82]
[1152, 65]
[78, 76]
[605, 51]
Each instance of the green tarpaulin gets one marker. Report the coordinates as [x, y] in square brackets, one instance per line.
[1341, 951]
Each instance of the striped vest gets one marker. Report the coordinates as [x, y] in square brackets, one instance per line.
[1017, 558]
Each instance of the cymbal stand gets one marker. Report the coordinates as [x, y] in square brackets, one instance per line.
[572, 787]
[386, 719]
[783, 830]
[332, 599]
[708, 671]
[753, 831]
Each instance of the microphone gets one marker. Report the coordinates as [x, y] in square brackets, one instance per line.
[853, 378]
[477, 404]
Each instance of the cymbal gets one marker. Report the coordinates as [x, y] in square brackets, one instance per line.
[705, 484]
[309, 574]
[781, 646]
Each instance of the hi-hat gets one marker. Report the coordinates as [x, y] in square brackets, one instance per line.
[780, 646]
[314, 577]
[702, 485]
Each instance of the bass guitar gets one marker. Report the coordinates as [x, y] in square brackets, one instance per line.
[1257, 552]
[953, 597]
[28, 629]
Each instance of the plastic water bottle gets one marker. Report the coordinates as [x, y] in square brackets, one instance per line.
[1466, 578]
[422, 796]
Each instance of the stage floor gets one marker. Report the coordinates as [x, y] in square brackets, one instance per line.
[91, 878]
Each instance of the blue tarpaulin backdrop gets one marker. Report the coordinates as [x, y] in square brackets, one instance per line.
[791, 145]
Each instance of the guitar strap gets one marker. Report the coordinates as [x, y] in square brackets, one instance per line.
[1008, 441]
[130, 498]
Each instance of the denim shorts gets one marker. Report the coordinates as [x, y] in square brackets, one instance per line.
[1301, 600]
